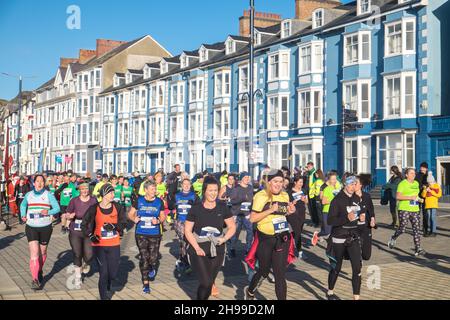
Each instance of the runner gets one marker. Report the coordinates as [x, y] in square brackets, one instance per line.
[198, 185]
[365, 227]
[81, 244]
[67, 191]
[331, 190]
[408, 209]
[343, 217]
[50, 185]
[117, 189]
[184, 200]
[273, 244]
[127, 192]
[104, 224]
[298, 196]
[241, 201]
[225, 191]
[37, 209]
[99, 185]
[148, 214]
[204, 231]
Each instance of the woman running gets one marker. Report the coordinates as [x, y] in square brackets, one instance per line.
[81, 244]
[127, 192]
[408, 209]
[204, 231]
[184, 200]
[104, 224]
[272, 243]
[343, 217]
[148, 214]
[297, 195]
[37, 209]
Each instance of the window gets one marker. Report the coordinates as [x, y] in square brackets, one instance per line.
[203, 54]
[230, 46]
[279, 66]
[97, 78]
[356, 96]
[400, 37]
[305, 59]
[243, 79]
[91, 79]
[317, 18]
[363, 6]
[160, 95]
[184, 61]
[396, 149]
[357, 155]
[278, 112]
[351, 156]
[84, 133]
[222, 84]
[195, 126]
[221, 159]
[400, 95]
[96, 132]
[278, 155]
[86, 81]
[221, 123]
[243, 119]
[174, 94]
[286, 29]
[310, 109]
[357, 48]
[196, 91]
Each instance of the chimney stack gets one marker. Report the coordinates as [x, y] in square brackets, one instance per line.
[305, 8]
[86, 55]
[104, 46]
[64, 62]
[262, 19]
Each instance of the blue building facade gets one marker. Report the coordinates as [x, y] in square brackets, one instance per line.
[381, 59]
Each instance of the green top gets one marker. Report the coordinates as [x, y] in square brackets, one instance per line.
[67, 194]
[161, 190]
[330, 192]
[127, 192]
[51, 188]
[198, 188]
[118, 193]
[408, 189]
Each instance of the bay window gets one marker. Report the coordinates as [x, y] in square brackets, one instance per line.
[396, 149]
[278, 155]
[243, 78]
[279, 66]
[221, 123]
[357, 48]
[196, 90]
[222, 84]
[310, 107]
[400, 37]
[356, 96]
[278, 112]
[358, 155]
[400, 95]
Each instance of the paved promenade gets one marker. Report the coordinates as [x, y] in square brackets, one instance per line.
[390, 274]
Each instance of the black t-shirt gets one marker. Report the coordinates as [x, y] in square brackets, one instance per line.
[340, 206]
[300, 205]
[208, 218]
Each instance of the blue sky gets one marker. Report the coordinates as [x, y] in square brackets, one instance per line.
[33, 34]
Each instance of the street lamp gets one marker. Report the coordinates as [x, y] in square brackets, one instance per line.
[251, 94]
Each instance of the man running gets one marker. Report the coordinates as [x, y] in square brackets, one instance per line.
[67, 191]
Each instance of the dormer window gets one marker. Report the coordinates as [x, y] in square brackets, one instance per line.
[203, 55]
[146, 73]
[257, 39]
[364, 6]
[129, 78]
[286, 29]
[317, 18]
[164, 67]
[184, 61]
[230, 46]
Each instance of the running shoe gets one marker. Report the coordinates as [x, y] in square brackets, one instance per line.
[301, 255]
[248, 295]
[146, 289]
[40, 276]
[86, 268]
[78, 282]
[36, 285]
[419, 252]
[332, 297]
[315, 238]
[270, 278]
[169, 219]
[214, 291]
[152, 274]
[391, 243]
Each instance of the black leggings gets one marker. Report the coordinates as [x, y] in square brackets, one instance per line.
[296, 222]
[206, 269]
[108, 259]
[312, 206]
[354, 253]
[270, 258]
[81, 248]
[366, 241]
[148, 254]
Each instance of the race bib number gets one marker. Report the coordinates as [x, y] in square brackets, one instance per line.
[108, 234]
[356, 209]
[116, 199]
[298, 196]
[147, 223]
[38, 217]
[413, 203]
[183, 209]
[77, 225]
[209, 231]
[245, 206]
[280, 224]
[127, 200]
[67, 192]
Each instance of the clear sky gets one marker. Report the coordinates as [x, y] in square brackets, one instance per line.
[34, 35]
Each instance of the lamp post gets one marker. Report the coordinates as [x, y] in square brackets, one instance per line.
[251, 94]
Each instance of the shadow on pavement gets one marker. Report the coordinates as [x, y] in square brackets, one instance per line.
[7, 241]
[63, 260]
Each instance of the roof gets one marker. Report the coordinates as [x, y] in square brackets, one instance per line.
[219, 46]
[154, 65]
[191, 53]
[347, 17]
[63, 71]
[122, 75]
[47, 84]
[239, 38]
[175, 59]
[135, 71]
[75, 67]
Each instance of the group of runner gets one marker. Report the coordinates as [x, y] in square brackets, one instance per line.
[208, 216]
